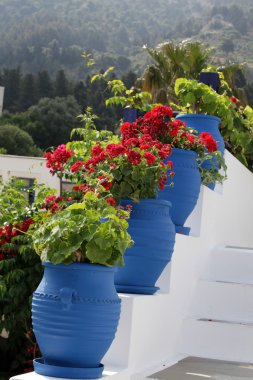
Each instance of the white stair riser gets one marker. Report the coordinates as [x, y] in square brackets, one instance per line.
[230, 264]
[223, 301]
[215, 340]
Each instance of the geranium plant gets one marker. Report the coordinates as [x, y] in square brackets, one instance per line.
[90, 231]
[132, 168]
[158, 125]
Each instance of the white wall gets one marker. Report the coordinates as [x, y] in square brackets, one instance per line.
[27, 167]
[1, 99]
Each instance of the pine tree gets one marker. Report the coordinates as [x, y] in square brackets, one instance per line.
[27, 92]
[80, 94]
[61, 84]
[44, 85]
[11, 82]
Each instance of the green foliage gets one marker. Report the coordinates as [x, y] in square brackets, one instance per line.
[88, 136]
[212, 175]
[16, 141]
[12, 202]
[51, 120]
[91, 231]
[240, 138]
[43, 35]
[132, 98]
[199, 98]
[20, 274]
[172, 61]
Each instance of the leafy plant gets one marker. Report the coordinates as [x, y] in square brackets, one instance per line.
[199, 98]
[20, 274]
[239, 138]
[89, 232]
[132, 98]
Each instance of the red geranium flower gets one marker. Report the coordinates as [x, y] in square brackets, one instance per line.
[234, 100]
[134, 157]
[96, 150]
[103, 180]
[208, 141]
[150, 157]
[111, 201]
[77, 166]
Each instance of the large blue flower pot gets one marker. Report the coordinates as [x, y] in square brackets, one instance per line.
[75, 314]
[185, 192]
[153, 232]
[206, 123]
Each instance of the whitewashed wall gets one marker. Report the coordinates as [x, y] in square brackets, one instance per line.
[1, 99]
[27, 167]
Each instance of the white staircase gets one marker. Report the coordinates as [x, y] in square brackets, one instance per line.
[205, 305]
[221, 322]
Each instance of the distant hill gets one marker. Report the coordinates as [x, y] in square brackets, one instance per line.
[51, 34]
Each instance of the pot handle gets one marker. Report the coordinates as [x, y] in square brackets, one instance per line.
[66, 297]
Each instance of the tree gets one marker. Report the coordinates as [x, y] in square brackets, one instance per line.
[27, 92]
[51, 120]
[80, 94]
[61, 84]
[172, 61]
[11, 79]
[44, 85]
[17, 142]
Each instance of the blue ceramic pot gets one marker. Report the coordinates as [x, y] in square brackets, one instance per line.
[184, 195]
[75, 314]
[131, 114]
[153, 232]
[205, 123]
[210, 79]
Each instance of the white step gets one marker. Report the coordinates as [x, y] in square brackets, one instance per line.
[109, 373]
[192, 368]
[231, 264]
[223, 300]
[218, 340]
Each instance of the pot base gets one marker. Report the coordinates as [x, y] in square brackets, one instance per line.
[66, 372]
[182, 230]
[133, 289]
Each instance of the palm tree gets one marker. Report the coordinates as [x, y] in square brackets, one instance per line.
[172, 61]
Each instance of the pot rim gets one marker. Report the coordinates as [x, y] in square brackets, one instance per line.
[198, 116]
[80, 266]
[183, 151]
[155, 201]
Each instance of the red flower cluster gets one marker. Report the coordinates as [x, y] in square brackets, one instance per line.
[56, 159]
[54, 203]
[159, 112]
[111, 201]
[234, 100]
[83, 188]
[8, 232]
[77, 166]
[157, 129]
[103, 180]
[208, 141]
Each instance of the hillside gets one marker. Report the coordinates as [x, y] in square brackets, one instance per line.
[51, 34]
